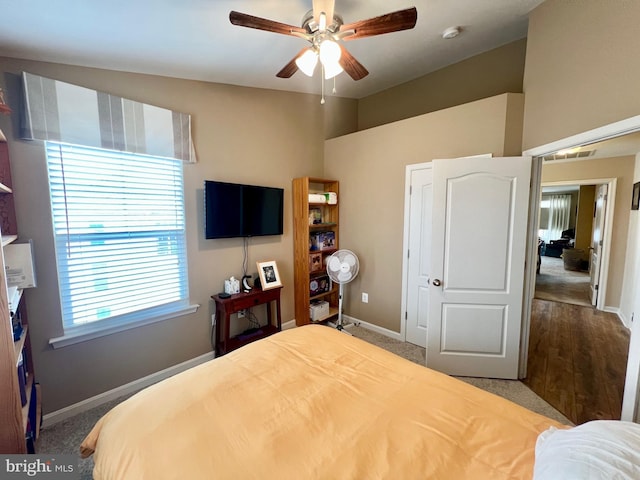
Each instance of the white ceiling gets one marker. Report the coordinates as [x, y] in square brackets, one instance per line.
[194, 39]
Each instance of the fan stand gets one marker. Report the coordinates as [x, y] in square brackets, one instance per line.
[338, 325]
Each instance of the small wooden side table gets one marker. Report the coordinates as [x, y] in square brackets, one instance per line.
[225, 307]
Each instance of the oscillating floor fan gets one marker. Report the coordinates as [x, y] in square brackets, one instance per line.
[342, 267]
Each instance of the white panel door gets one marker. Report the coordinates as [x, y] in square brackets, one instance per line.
[419, 255]
[597, 242]
[480, 212]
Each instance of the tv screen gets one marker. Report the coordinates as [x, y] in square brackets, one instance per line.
[236, 210]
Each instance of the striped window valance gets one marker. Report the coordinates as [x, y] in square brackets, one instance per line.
[62, 112]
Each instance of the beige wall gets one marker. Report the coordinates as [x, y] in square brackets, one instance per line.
[498, 71]
[584, 223]
[370, 166]
[582, 67]
[621, 168]
[241, 135]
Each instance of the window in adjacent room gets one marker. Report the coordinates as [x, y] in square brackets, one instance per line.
[555, 211]
[119, 228]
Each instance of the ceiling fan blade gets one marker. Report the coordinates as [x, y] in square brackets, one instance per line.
[352, 66]
[245, 20]
[290, 68]
[325, 6]
[390, 22]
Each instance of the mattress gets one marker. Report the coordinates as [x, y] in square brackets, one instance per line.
[314, 403]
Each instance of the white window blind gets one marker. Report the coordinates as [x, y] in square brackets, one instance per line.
[118, 221]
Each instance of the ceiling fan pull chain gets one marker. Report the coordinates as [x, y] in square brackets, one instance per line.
[322, 80]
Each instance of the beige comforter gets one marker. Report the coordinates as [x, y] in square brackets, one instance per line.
[314, 403]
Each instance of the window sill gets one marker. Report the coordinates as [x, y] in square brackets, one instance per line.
[90, 332]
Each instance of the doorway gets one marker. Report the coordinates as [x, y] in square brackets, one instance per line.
[622, 136]
[572, 216]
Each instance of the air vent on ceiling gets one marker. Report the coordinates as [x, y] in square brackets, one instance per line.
[569, 155]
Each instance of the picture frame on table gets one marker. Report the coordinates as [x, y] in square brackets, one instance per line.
[635, 197]
[269, 276]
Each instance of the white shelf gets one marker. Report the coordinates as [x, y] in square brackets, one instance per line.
[7, 239]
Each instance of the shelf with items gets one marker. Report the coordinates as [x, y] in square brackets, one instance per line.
[27, 406]
[316, 236]
[18, 345]
[8, 223]
[20, 401]
[333, 312]
[7, 239]
[320, 296]
[321, 226]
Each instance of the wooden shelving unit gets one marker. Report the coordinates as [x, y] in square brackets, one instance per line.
[303, 228]
[20, 424]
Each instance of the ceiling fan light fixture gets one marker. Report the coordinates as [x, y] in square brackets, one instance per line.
[329, 52]
[307, 62]
[323, 22]
[331, 70]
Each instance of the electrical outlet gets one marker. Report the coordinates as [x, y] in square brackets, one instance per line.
[241, 313]
[365, 297]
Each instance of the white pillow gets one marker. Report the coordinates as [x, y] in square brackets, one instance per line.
[601, 449]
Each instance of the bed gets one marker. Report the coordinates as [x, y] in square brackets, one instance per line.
[314, 403]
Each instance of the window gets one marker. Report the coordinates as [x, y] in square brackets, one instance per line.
[555, 211]
[118, 222]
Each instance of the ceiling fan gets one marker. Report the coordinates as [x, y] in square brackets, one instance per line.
[324, 30]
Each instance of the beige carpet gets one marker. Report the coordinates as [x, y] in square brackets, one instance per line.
[559, 285]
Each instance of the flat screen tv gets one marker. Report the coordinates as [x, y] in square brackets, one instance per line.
[236, 210]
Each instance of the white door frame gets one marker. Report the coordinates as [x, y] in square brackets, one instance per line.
[405, 243]
[599, 134]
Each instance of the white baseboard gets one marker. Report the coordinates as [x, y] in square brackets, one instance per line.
[625, 321]
[131, 387]
[372, 327]
[289, 324]
[351, 321]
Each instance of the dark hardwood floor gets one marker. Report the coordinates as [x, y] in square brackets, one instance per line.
[577, 360]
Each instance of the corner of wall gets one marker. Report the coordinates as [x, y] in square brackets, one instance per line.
[514, 124]
[340, 117]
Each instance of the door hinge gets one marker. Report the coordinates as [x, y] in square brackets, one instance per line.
[406, 316]
[606, 197]
[410, 189]
[407, 253]
[601, 242]
[597, 287]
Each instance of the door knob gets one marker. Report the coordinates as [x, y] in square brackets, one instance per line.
[436, 283]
